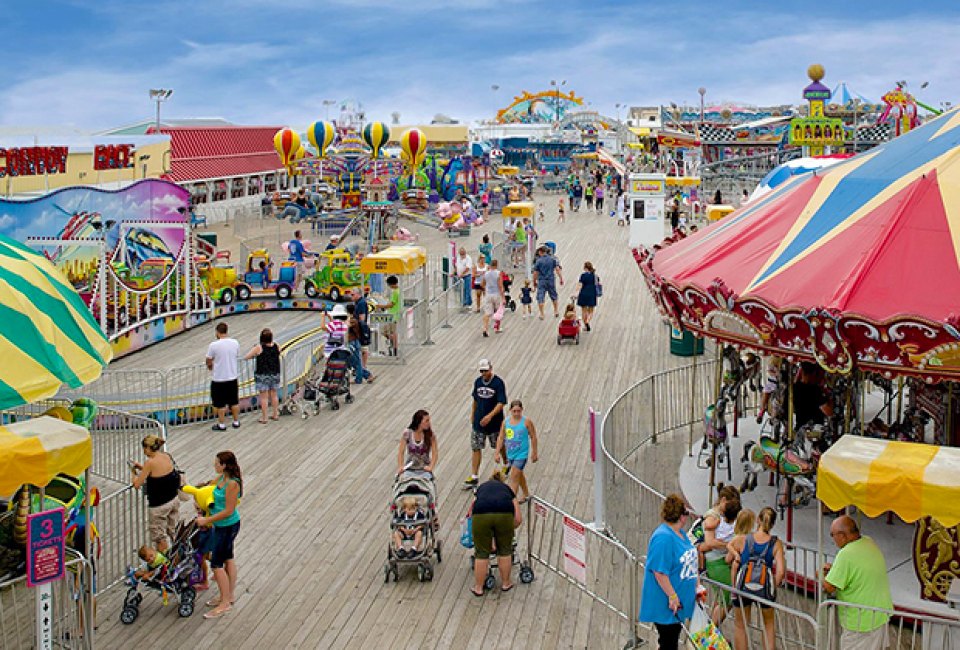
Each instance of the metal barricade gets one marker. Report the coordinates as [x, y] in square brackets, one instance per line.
[597, 565]
[792, 629]
[133, 391]
[122, 519]
[70, 615]
[905, 630]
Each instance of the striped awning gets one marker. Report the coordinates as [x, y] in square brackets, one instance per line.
[47, 335]
[913, 480]
[36, 450]
[208, 152]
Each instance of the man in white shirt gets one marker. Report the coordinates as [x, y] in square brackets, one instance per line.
[465, 273]
[222, 358]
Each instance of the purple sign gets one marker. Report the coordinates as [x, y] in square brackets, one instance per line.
[45, 547]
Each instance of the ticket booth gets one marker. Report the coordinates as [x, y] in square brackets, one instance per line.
[409, 322]
[512, 256]
[645, 198]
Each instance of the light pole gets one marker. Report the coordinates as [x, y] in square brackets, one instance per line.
[143, 164]
[702, 91]
[160, 95]
[327, 103]
[558, 85]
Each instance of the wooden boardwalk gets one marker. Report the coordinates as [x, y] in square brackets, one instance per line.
[315, 526]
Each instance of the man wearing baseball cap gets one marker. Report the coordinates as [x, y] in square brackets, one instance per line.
[489, 401]
[334, 242]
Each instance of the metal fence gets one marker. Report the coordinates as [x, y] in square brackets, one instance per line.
[911, 631]
[646, 433]
[609, 574]
[181, 395]
[71, 609]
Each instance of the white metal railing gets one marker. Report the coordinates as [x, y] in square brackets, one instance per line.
[71, 612]
[903, 631]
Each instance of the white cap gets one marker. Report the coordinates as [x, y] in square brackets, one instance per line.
[485, 365]
[339, 311]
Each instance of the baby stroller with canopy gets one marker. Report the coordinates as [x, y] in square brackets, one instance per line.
[413, 486]
[177, 578]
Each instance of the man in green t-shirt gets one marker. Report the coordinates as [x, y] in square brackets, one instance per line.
[395, 308]
[858, 576]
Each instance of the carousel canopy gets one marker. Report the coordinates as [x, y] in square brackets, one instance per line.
[858, 264]
[36, 450]
[913, 480]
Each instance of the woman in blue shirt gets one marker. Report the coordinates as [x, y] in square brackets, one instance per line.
[670, 575]
[225, 519]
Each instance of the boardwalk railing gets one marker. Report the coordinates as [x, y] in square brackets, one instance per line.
[596, 564]
[181, 395]
[910, 631]
[70, 614]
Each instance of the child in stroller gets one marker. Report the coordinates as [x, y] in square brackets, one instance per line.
[509, 303]
[329, 384]
[164, 575]
[413, 492]
[569, 328]
[409, 521]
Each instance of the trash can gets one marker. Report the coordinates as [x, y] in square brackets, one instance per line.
[684, 343]
[445, 275]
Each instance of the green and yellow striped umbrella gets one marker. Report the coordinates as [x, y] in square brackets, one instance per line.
[47, 335]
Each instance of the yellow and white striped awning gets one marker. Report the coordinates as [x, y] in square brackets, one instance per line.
[34, 451]
[913, 480]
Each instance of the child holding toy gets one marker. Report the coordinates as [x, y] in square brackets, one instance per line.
[154, 561]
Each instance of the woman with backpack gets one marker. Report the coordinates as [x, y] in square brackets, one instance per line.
[757, 567]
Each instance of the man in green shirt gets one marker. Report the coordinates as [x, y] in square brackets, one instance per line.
[858, 576]
[395, 308]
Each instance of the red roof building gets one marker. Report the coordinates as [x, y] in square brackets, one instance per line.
[219, 162]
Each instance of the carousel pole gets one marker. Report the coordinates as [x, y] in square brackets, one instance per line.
[948, 420]
[781, 453]
[846, 402]
[900, 386]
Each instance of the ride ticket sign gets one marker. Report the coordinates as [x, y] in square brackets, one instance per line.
[45, 543]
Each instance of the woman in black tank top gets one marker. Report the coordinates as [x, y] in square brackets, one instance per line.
[266, 375]
[162, 485]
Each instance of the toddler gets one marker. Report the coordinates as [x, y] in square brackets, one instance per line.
[410, 522]
[561, 215]
[570, 313]
[155, 561]
[526, 299]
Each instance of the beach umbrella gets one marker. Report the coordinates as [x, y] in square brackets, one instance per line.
[376, 134]
[414, 144]
[321, 136]
[47, 335]
[286, 142]
[856, 265]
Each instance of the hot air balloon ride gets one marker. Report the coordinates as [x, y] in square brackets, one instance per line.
[287, 144]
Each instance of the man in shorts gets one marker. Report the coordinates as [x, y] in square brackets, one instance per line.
[544, 269]
[222, 362]
[489, 400]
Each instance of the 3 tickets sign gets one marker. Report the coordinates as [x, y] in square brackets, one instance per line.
[36, 161]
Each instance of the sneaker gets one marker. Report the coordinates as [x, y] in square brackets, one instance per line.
[486, 335]
[236, 425]
[402, 554]
[219, 427]
[472, 481]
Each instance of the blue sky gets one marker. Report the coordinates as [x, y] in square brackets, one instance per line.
[273, 62]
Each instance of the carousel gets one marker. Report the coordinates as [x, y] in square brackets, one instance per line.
[833, 301]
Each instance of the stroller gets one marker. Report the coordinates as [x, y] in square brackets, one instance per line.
[508, 302]
[178, 577]
[416, 485]
[333, 382]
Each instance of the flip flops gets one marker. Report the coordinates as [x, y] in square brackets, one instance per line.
[480, 595]
[505, 589]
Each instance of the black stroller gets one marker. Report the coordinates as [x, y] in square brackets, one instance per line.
[508, 301]
[335, 381]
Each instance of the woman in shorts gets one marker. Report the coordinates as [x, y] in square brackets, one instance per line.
[266, 374]
[225, 519]
[161, 482]
[496, 514]
[518, 436]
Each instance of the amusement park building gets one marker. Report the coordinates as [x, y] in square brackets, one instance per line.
[37, 160]
[218, 161]
[442, 139]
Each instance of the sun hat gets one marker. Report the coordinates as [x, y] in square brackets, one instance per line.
[339, 311]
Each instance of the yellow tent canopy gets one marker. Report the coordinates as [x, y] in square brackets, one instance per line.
[34, 451]
[683, 181]
[640, 132]
[519, 209]
[396, 260]
[913, 480]
[508, 170]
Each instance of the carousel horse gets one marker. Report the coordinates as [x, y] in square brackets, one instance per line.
[797, 462]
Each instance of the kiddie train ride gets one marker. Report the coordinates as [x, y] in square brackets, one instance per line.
[135, 262]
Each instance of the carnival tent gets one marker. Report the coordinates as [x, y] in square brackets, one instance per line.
[911, 479]
[47, 336]
[857, 264]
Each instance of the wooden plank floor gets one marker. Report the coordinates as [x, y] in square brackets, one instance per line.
[315, 527]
